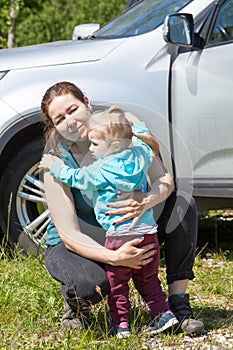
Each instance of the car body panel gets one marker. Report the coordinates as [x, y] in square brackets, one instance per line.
[56, 53]
[108, 75]
[184, 96]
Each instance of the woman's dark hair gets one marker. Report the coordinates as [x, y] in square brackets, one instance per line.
[52, 137]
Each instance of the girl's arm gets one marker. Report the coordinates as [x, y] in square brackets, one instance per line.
[87, 178]
[61, 206]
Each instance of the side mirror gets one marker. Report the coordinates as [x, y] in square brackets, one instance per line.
[178, 29]
[82, 31]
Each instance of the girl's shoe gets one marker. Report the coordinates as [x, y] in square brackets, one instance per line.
[120, 332]
[161, 323]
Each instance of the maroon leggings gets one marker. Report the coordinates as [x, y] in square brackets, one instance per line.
[146, 282]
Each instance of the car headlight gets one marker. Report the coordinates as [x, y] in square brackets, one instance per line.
[3, 73]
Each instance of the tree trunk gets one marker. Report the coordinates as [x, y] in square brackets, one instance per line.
[11, 31]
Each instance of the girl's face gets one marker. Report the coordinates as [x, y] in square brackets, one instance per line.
[70, 116]
[99, 147]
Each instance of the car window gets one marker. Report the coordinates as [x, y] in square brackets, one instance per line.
[142, 18]
[223, 28]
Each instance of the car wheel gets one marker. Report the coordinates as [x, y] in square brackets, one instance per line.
[24, 215]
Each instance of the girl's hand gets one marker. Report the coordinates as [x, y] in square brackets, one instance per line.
[130, 256]
[132, 204]
[48, 160]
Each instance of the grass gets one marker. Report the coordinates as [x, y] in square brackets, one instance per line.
[31, 307]
[216, 227]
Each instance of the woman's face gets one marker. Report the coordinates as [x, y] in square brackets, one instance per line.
[70, 117]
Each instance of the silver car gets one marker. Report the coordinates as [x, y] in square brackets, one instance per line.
[170, 62]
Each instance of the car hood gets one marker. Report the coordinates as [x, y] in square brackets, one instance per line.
[60, 52]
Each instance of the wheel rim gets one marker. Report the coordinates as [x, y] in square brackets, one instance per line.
[33, 214]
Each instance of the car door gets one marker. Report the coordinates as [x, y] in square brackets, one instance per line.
[202, 108]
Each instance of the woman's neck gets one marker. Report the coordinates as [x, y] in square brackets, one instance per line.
[80, 149]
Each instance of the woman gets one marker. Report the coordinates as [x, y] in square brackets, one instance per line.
[76, 258]
[119, 167]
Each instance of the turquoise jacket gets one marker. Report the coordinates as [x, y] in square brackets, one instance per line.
[122, 172]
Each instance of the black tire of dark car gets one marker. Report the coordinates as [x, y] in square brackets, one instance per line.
[25, 163]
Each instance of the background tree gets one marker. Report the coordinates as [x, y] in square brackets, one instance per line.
[14, 8]
[28, 22]
[4, 22]
[9, 17]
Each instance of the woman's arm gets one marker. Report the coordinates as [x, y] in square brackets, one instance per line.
[160, 182]
[61, 206]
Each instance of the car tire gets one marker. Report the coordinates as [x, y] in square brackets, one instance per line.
[22, 199]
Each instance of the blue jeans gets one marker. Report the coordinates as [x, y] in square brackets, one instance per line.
[79, 276]
[177, 229]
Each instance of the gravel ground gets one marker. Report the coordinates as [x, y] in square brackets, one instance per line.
[215, 340]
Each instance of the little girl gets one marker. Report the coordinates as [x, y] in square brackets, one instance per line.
[121, 167]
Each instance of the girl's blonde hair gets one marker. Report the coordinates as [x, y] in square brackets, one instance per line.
[112, 124]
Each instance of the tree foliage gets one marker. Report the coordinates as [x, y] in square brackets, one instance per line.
[38, 21]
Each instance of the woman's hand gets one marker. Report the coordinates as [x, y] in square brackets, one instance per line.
[130, 256]
[132, 204]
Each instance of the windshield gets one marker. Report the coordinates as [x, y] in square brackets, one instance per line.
[141, 18]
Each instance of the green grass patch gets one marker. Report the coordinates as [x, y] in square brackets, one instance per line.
[31, 307]
[215, 228]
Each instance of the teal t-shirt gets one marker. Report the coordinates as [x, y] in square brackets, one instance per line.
[83, 206]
